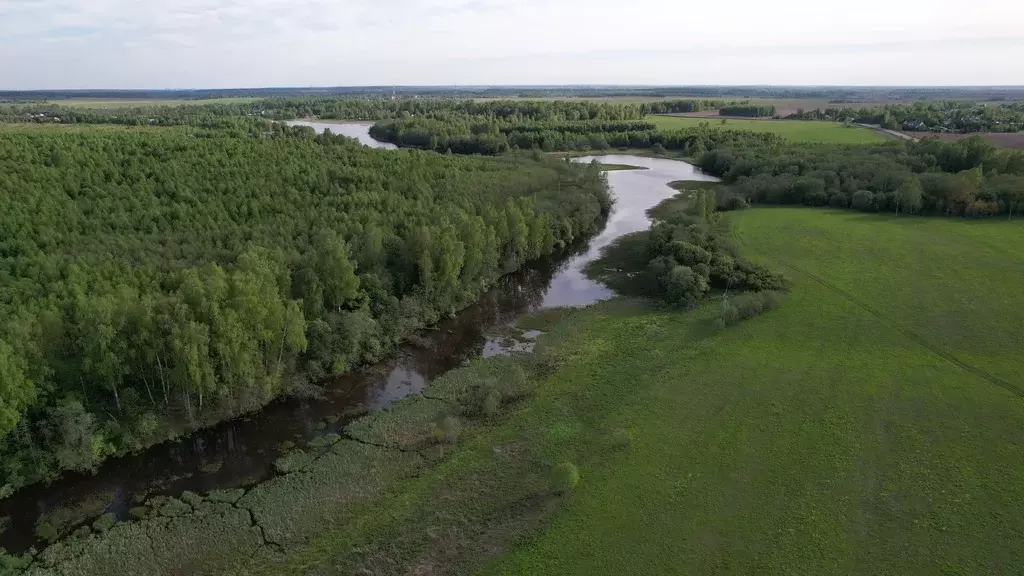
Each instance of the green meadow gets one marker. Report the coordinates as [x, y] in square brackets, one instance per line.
[873, 423]
[795, 130]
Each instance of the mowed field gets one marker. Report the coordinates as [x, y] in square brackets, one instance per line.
[795, 130]
[873, 424]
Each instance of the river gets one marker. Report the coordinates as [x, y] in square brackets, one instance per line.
[241, 452]
[358, 130]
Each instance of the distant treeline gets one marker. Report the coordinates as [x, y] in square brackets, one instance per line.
[518, 111]
[969, 177]
[748, 111]
[152, 281]
[946, 116]
[848, 93]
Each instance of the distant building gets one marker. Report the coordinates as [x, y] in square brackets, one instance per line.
[913, 125]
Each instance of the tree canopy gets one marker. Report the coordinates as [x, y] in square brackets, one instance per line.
[157, 279]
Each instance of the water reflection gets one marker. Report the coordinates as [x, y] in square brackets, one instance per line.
[358, 130]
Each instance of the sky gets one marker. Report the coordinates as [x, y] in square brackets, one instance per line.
[153, 44]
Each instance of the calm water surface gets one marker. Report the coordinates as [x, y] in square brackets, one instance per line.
[358, 130]
[242, 451]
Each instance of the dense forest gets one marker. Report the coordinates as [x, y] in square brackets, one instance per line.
[969, 177]
[941, 116]
[484, 135]
[157, 279]
[326, 108]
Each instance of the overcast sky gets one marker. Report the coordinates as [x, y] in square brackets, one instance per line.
[47, 44]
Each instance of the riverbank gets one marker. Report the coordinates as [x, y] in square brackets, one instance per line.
[454, 342]
[121, 457]
[694, 449]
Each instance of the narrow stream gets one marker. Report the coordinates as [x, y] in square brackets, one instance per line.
[241, 452]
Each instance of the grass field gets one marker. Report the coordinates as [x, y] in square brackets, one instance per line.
[872, 424]
[795, 130]
[863, 428]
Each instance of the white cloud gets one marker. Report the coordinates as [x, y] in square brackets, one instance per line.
[222, 43]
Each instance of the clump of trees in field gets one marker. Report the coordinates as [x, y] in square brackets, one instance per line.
[685, 256]
[152, 281]
[967, 178]
[691, 254]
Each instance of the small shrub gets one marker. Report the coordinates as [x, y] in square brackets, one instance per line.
[327, 440]
[292, 462]
[746, 305]
[321, 426]
[447, 429]
[191, 498]
[104, 523]
[138, 512]
[82, 532]
[175, 508]
[658, 149]
[47, 531]
[486, 399]
[12, 564]
[863, 200]
[226, 496]
[564, 478]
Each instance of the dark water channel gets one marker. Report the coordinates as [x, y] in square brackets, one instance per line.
[241, 452]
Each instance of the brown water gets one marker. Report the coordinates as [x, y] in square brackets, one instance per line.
[242, 451]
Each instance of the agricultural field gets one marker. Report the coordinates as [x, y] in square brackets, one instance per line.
[870, 425]
[795, 130]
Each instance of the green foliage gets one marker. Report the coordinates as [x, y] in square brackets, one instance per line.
[407, 424]
[174, 508]
[225, 496]
[929, 176]
[293, 461]
[447, 429]
[158, 276]
[564, 478]
[350, 477]
[324, 441]
[104, 523]
[138, 512]
[58, 521]
[933, 115]
[908, 197]
[46, 530]
[12, 564]
[17, 391]
[538, 133]
[736, 309]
